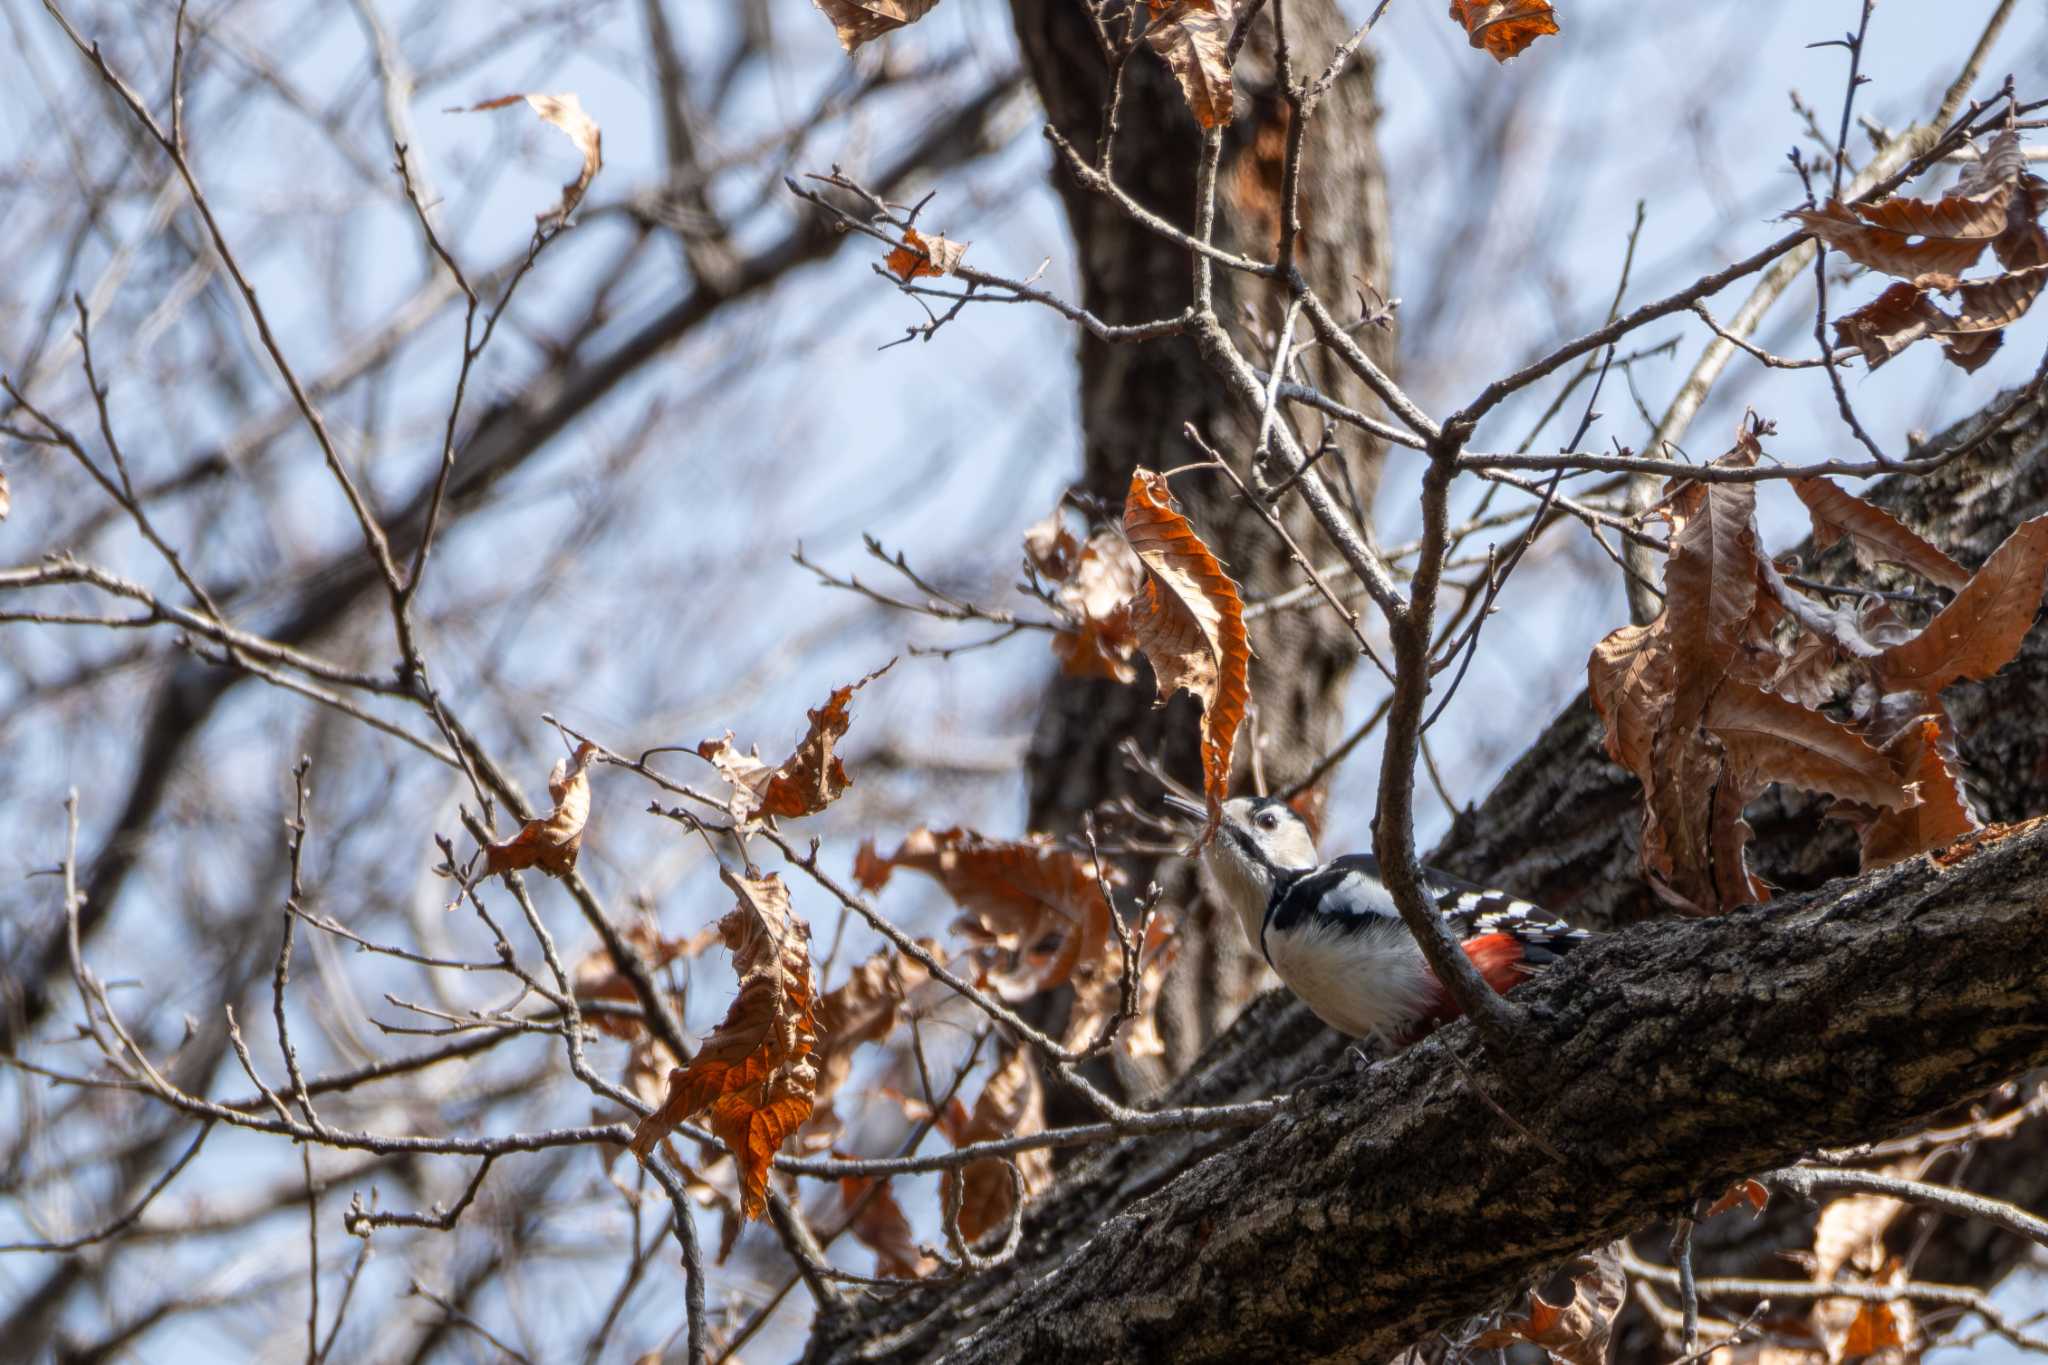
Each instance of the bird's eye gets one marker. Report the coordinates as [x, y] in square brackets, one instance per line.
[1268, 820]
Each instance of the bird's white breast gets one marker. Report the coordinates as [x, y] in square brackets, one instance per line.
[1369, 981]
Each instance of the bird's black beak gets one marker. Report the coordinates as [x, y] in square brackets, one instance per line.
[1180, 805]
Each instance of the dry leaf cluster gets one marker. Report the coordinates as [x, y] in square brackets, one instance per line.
[1740, 681]
[1996, 205]
[806, 782]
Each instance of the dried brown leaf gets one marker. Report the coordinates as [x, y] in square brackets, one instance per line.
[1875, 535]
[1093, 583]
[551, 843]
[1989, 304]
[1575, 1332]
[598, 978]
[924, 256]
[1504, 27]
[1012, 1104]
[756, 1072]
[807, 781]
[1030, 900]
[1710, 585]
[1192, 39]
[881, 1227]
[1630, 678]
[1923, 754]
[1889, 323]
[1981, 630]
[1912, 237]
[1769, 739]
[862, 1009]
[564, 112]
[863, 21]
[1748, 1192]
[1190, 622]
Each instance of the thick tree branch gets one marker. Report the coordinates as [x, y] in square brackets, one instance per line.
[1682, 1055]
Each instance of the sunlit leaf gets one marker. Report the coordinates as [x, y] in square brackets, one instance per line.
[807, 781]
[1875, 535]
[552, 842]
[861, 21]
[756, 1072]
[1189, 621]
[565, 112]
[921, 256]
[1193, 39]
[1575, 1332]
[1504, 27]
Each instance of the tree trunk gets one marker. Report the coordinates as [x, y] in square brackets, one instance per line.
[1136, 398]
[1377, 1226]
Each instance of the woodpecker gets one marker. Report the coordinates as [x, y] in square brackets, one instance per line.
[1331, 932]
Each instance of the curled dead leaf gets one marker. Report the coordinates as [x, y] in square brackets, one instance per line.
[1193, 39]
[1012, 1104]
[1875, 535]
[1575, 1332]
[807, 781]
[924, 256]
[1922, 754]
[1910, 237]
[757, 1072]
[551, 843]
[878, 1223]
[1093, 583]
[1504, 27]
[1750, 1192]
[1189, 620]
[564, 112]
[862, 1009]
[1981, 630]
[1034, 908]
[863, 21]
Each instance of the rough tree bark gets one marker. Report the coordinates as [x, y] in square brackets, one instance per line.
[1134, 400]
[1691, 1052]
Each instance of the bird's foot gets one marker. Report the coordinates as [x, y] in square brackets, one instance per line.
[1353, 1062]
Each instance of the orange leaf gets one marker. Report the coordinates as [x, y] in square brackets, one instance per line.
[1981, 630]
[1875, 534]
[1742, 1192]
[551, 844]
[807, 781]
[1576, 1332]
[1504, 27]
[862, 1009]
[1923, 754]
[1093, 584]
[861, 21]
[1193, 39]
[1012, 1104]
[1189, 621]
[756, 1072]
[921, 255]
[1030, 898]
[566, 113]
[881, 1227]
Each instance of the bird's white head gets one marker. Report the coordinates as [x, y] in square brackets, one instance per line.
[1260, 841]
